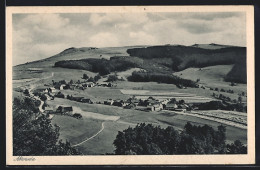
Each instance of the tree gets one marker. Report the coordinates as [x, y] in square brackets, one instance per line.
[35, 137]
[60, 95]
[112, 78]
[236, 148]
[173, 101]
[43, 97]
[62, 82]
[85, 76]
[71, 81]
[91, 79]
[220, 139]
[146, 139]
[239, 99]
[69, 97]
[181, 101]
[97, 77]
[198, 80]
[26, 92]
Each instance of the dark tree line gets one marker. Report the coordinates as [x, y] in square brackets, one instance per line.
[146, 139]
[101, 66]
[160, 78]
[33, 133]
[215, 105]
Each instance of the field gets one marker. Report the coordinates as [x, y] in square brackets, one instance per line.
[76, 130]
[211, 77]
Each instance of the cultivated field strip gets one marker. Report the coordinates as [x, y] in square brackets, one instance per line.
[224, 120]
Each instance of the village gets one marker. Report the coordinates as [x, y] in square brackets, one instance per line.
[47, 92]
[54, 90]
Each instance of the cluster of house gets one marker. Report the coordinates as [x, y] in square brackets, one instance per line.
[150, 104]
[62, 110]
[80, 99]
[52, 91]
[81, 85]
[48, 92]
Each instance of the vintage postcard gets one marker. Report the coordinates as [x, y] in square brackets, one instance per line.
[130, 85]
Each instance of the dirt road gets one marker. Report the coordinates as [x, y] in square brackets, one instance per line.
[102, 128]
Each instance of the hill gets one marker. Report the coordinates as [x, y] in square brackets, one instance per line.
[211, 46]
[178, 58]
[160, 59]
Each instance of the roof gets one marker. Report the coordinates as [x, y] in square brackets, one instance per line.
[171, 105]
[39, 89]
[86, 99]
[77, 97]
[48, 108]
[183, 106]
[77, 114]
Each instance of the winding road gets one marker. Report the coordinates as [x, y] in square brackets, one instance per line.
[102, 128]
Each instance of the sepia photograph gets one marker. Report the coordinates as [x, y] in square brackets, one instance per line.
[130, 85]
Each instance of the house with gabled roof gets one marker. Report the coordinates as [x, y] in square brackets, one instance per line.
[109, 102]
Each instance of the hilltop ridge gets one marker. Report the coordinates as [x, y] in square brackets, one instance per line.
[160, 58]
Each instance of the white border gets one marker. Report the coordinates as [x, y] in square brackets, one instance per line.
[135, 160]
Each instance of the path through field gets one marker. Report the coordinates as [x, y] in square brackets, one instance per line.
[102, 128]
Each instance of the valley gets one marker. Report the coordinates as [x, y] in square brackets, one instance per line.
[94, 133]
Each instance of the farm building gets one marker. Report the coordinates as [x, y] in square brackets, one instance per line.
[41, 90]
[182, 108]
[86, 101]
[119, 103]
[90, 84]
[171, 106]
[133, 100]
[78, 99]
[48, 110]
[103, 84]
[77, 116]
[155, 107]
[60, 86]
[165, 102]
[109, 102]
[64, 109]
[130, 106]
[52, 90]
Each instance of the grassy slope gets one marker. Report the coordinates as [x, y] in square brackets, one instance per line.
[213, 77]
[76, 130]
[211, 46]
[179, 58]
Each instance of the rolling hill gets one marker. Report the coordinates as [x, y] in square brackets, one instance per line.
[160, 59]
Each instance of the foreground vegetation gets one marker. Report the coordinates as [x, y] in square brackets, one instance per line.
[161, 78]
[146, 139]
[101, 66]
[33, 133]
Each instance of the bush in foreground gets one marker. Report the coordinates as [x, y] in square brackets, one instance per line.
[146, 139]
[33, 133]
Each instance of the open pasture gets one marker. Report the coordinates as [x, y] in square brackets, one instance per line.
[75, 130]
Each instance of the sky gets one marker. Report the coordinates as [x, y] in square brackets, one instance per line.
[38, 36]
